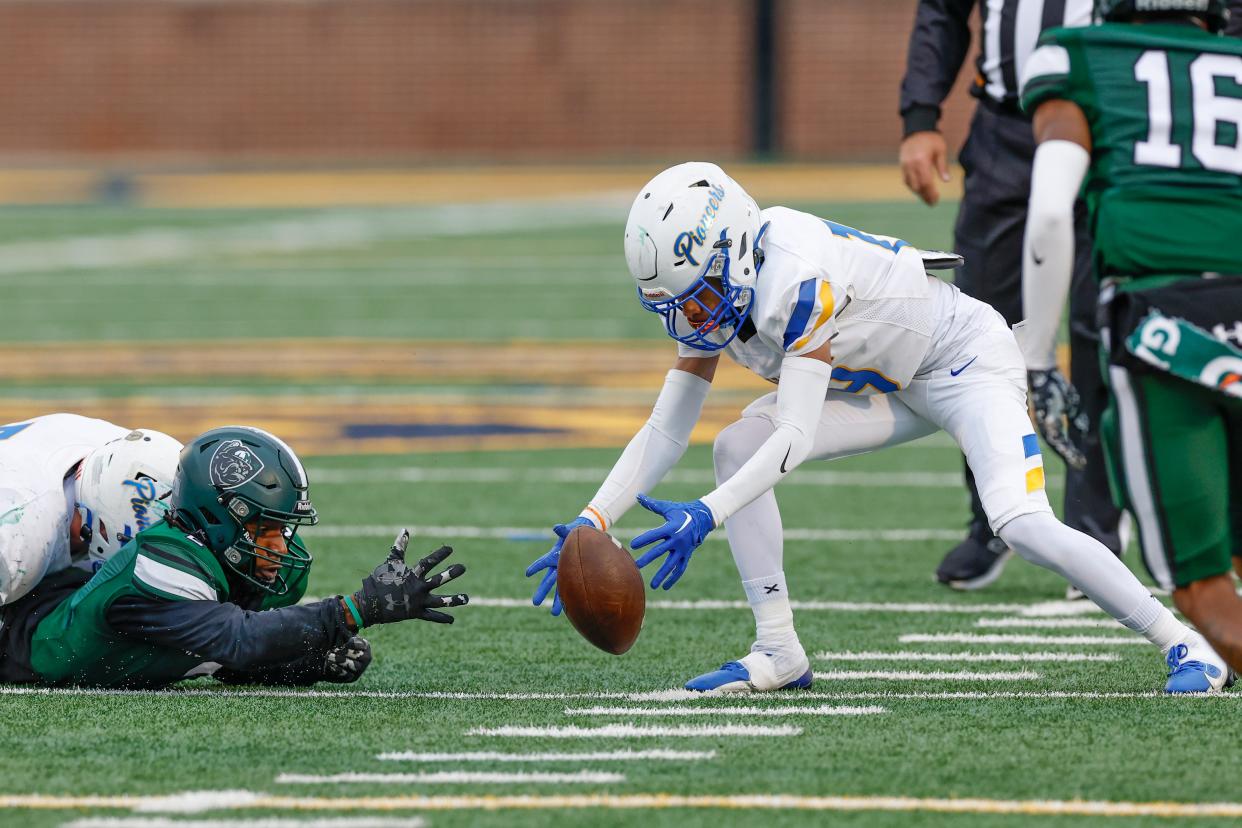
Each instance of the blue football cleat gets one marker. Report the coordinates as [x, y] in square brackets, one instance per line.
[1194, 667]
[755, 673]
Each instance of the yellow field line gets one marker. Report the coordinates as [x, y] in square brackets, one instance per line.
[769, 183]
[609, 364]
[245, 800]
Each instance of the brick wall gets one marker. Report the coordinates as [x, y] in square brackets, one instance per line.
[436, 80]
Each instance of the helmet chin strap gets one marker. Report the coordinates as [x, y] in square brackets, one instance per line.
[756, 252]
[85, 532]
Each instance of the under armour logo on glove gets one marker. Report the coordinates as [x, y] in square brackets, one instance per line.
[768, 590]
[394, 592]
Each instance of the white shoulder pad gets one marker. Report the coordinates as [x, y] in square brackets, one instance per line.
[1047, 61]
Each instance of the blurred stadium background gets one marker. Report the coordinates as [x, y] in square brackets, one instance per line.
[212, 194]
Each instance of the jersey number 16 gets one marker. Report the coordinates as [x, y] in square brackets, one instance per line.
[1207, 107]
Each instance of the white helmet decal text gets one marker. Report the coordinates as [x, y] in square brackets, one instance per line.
[685, 243]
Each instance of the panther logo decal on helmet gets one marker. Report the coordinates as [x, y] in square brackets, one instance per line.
[233, 465]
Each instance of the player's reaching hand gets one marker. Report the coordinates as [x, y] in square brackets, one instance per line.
[685, 527]
[1058, 414]
[395, 592]
[924, 159]
[549, 561]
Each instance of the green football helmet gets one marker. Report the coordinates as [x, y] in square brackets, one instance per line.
[1214, 12]
[230, 482]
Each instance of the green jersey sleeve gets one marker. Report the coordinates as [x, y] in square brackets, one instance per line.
[172, 573]
[1047, 73]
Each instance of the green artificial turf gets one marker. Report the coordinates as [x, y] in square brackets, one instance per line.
[551, 285]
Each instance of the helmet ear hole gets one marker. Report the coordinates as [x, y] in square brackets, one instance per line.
[208, 517]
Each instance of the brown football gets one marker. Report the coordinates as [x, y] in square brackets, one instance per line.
[601, 589]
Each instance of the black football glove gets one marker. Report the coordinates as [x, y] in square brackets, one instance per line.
[347, 663]
[395, 592]
[1058, 414]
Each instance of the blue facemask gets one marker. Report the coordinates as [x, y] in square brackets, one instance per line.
[733, 302]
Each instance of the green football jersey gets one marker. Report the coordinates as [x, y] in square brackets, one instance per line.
[75, 644]
[1164, 104]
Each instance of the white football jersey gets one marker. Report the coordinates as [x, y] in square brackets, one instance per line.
[868, 294]
[36, 498]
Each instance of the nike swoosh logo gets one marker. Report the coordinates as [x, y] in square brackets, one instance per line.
[1035, 256]
[964, 367]
[685, 524]
[786, 460]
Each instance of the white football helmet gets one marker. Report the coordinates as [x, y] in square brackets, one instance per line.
[122, 489]
[690, 224]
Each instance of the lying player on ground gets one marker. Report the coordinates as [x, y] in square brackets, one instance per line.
[1115, 104]
[73, 491]
[211, 588]
[869, 351]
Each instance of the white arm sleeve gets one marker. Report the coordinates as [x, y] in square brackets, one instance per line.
[799, 406]
[1048, 250]
[654, 450]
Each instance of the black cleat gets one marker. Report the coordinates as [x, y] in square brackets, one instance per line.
[975, 562]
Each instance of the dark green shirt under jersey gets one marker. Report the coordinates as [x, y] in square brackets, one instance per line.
[162, 569]
[1164, 104]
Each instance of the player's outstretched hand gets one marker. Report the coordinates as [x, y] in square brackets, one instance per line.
[347, 663]
[395, 592]
[685, 527]
[1058, 414]
[549, 561]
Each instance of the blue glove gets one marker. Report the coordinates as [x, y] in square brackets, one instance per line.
[549, 562]
[685, 527]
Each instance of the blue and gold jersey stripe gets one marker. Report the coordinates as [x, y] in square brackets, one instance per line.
[797, 332]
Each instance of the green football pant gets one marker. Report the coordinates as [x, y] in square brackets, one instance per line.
[1175, 451]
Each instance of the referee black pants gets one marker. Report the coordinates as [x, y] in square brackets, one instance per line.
[997, 159]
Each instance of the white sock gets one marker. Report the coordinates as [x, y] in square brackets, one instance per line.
[1153, 621]
[774, 628]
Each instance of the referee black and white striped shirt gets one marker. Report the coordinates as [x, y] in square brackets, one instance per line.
[941, 38]
[1010, 29]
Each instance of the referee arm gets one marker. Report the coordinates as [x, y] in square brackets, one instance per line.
[938, 46]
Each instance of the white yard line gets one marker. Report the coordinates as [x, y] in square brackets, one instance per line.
[323, 230]
[1051, 623]
[969, 656]
[269, 822]
[632, 731]
[802, 606]
[1051, 609]
[783, 710]
[507, 474]
[934, 675]
[670, 695]
[583, 777]
[659, 801]
[1001, 638]
[658, 755]
[543, 533]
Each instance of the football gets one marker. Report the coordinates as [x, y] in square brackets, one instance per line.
[601, 589]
